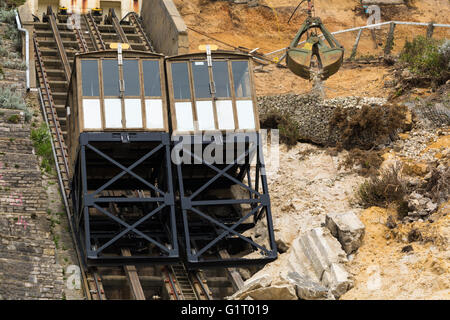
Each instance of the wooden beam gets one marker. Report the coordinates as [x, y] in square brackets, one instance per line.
[133, 278]
[233, 273]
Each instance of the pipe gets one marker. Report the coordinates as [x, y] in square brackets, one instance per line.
[27, 47]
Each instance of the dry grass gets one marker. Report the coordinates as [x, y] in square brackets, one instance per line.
[383, 190]
[368, 127]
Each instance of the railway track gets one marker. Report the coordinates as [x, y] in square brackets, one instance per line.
[55, 44]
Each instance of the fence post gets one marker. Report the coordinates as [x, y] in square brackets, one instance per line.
[390, 39]
[355, 46]
[430, 30]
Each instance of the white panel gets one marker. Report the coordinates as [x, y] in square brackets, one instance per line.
[91, 114]
[246, 116]
[113, 113]
[185, 119]
[225, 114]
[133, 113]
[205, 115]
[154, 113]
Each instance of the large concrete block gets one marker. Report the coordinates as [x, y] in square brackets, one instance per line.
[308, 289]
[337, 279]
[347, 228]
[274, 292]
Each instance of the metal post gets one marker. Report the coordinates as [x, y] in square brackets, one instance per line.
[390, 39]
[355, 46]
[430, 30]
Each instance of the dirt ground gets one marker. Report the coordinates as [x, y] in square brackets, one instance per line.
[265, 27]
[383, 271]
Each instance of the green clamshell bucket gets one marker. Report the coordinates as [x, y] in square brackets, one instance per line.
[329, 56]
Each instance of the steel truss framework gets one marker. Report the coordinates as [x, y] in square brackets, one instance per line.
[246, 146]
[163, 200]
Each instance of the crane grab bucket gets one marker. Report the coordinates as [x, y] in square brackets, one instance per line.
[326, 56]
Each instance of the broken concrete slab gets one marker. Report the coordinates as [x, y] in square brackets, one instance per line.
[307, 289]
[274, 292]
[337, 279]
[347, 228]
[258, 281]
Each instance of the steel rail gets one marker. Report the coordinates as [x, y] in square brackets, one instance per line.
[54, 116]
[80, 38]
[59, 44]
[116, 24]
[93, 25]
[137, 24]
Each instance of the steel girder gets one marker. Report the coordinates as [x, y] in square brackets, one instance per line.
[95, 236]
[205, 234]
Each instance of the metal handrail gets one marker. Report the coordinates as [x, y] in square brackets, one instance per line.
[371, 26]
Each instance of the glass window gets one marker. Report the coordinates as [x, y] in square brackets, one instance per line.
[201, 79]
[131, 78]
[152, 80]
[89, 70]
[241, 79]
[180, 78]
[221, 79]
[111, 78]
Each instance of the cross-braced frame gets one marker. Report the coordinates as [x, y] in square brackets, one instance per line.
[201, 181]
[126, 202]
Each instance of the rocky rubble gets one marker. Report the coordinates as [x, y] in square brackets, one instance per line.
[312, 269]
[313, 114]
[347, 228]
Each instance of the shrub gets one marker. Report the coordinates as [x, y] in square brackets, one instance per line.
[12, 100]
[15, 65]
[367, 127]
[42, 143]
[382, 190]
[369, 161]
[15, 118]
[428, 57]
[289, 128]
[7, 16]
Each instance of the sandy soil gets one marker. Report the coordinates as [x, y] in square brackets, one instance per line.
[266, 27]
[382, 271]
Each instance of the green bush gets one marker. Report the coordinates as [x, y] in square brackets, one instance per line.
[12, 100]
[7, 16]
[42, 143]
[15, 65]
[428, 57]
[15, 118]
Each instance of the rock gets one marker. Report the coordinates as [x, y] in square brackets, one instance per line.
[238, 193]
[391, 224]
[347, 228]
[308, 289]
[431, 206]
[407, 249]
[257, 282]
[337, 279]
[415, 169]
[313, 114]
[274, 292]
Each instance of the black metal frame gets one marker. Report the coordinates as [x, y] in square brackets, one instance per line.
[83, 199]
[259, 201]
